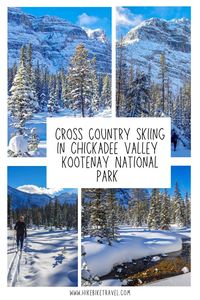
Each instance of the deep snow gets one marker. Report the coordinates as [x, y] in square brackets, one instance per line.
[39, 123]
[180, 280]
[133, 243]
[49, 259]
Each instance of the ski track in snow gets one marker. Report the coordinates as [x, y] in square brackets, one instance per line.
[48, 259]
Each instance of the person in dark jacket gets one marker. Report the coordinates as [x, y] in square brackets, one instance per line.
[21, 232]
[174, 139]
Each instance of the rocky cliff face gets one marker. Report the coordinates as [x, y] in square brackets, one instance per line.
[147, 41]
[54, 40]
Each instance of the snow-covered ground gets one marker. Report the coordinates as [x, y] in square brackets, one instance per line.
[180, 280]
[181, 151]
[49, 259]
[39, 123]
[133, 243]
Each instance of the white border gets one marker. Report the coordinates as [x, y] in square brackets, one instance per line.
[137, 293]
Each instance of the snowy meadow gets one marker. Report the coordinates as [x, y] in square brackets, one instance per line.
[134, 237]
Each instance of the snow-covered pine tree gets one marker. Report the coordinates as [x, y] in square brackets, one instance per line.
[79, 81]
[94, 107]
[154, 211]
[176, 206]
[165, 211]
[57, 214]
[188, 210]
[163, 76]
[64, 94]
[98, 224]
[51, 213]
[137, 97]
[138, 207]
[52, 105]
[23, 58]
[33, 140]
[11, 75]
[44, 96]
[21, 102]
[111, 216]
[57, 96]
[106, 92]
[121, 78]
[29, 62]
[186, 112]
[85, 213]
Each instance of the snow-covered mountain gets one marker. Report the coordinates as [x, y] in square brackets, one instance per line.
[21, 199]
[54, 40]
[147, 41]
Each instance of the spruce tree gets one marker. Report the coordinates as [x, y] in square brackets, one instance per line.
[106, 92]
[154, 211]
[165, 211]
[98, 225]
[188, 210]
[111, 216]
[137, 97]
[94, 107]
[163, 80]
[177, 204]
[79, 81]
[121, 78]
[21, 101]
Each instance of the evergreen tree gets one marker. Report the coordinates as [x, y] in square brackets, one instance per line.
[57, 214]
[33, 140]
[177, 204]
[165, 211]
[10, 213]
[188, 210]
[95, 88]
[121, 78]
[79, 81]
[98, 214]
[111, 216]
[137, 98]
[21, 101]
[154, 211]
[106, 92]
[163, 80]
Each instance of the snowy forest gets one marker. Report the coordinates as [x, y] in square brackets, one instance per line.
[140, 94]
[105, 209]
[33, 90]
[52, 215]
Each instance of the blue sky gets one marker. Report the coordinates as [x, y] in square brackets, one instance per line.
[23, 176]
[89, 17]
[128, 17]
[182, 175]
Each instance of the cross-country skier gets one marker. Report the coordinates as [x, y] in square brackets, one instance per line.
[21, 232]
[174, 139]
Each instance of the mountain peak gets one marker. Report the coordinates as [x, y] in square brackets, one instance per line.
[54, 41]
[98, 34]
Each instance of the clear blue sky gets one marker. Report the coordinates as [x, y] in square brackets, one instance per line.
[164, 12]
[19, 176]
[129, 17]
[182, 175]
[89, 17]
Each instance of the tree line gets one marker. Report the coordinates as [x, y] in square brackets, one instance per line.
[53, 214]
[34, 88]
[103, 210]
